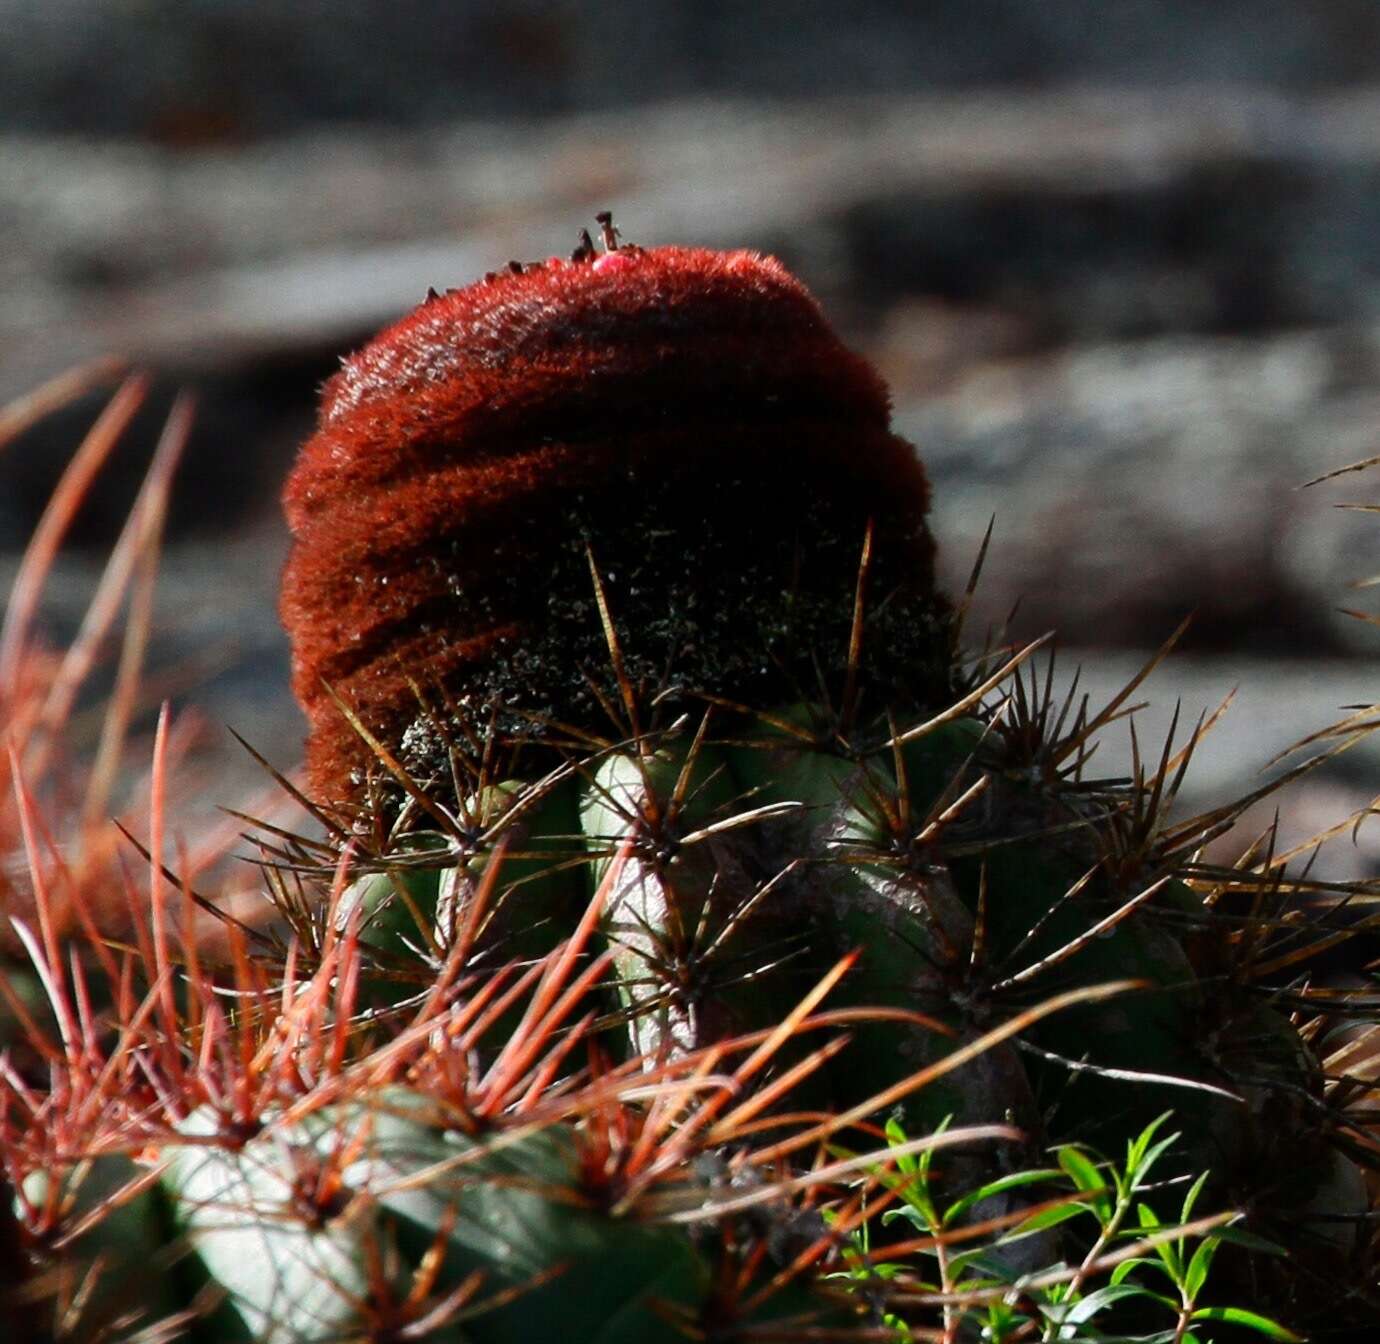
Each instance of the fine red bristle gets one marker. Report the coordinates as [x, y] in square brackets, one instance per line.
[685, 416]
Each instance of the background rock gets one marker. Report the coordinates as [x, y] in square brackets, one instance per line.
[181, 71]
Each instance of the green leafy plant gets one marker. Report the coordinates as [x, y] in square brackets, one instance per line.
[976, 1287]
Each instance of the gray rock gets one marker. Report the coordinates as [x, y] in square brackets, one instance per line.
[1135, 483]
[181, 71]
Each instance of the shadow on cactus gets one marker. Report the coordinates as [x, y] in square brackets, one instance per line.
[669, 852]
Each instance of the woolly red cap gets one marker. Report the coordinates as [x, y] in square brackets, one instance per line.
[685, 417]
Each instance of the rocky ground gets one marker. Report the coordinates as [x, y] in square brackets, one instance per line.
[1129, 324]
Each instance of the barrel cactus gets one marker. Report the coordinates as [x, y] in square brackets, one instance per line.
[631, 527]
[646, 757]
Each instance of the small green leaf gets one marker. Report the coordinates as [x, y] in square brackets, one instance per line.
[1167, 1251]
[1046, 1218]
[959, 1264]
[896, 1136]
[998, 1187]
[1135, 1150]
[1191, 1198]
[1251, 1320]
[1091, 1305]
[1130, 1266]
[1142, 1169]
[1087, 1178]
[1196, 1275]
[926, 1158]
[1238, 1236]
[913, 1216]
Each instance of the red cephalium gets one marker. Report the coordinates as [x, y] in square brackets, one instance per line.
[685, 418]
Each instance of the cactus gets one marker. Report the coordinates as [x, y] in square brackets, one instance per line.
[785, 754]
[309, 1177]
[672, 854]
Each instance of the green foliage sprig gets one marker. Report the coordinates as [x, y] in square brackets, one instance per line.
[1118, 1284]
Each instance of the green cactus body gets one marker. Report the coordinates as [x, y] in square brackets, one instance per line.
[396, 909]
[734, 870]
[915, 937]
[510, 1208]
[290, 1275]
[1148, 1030]
[675, 885]
[522, 841]
[856, 891]
[119, 1268]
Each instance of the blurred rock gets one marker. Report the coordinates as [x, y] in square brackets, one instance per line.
[1275, 705]
[1082, 214]
[180, 72]
[1133, 484]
